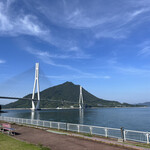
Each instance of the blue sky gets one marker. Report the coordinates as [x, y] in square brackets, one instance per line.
[102, 45]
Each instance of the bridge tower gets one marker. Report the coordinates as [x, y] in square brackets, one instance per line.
[81, 99]
[36, 86]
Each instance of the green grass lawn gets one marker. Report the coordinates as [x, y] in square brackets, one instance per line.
[9, 143]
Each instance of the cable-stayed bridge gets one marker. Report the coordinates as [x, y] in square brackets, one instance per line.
[36, 87]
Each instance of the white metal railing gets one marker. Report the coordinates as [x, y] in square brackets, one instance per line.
[124, 134]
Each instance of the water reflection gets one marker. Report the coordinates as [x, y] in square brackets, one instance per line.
[32, 114]
[81, 116]
[35, 115]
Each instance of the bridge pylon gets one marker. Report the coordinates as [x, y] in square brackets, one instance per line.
[81, 105]
[36, 86]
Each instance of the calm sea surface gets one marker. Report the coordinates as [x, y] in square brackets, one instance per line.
[129, 118]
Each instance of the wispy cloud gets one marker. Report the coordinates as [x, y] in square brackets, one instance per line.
[47, 58]
[132, 70]
[2, 61]
[47, 54]
[121, 25]
[112, 61]
[145, 51]
[102, 20]
[97, 22]
[71, 77]
[119, 67]
[108, 21]
[21, 24]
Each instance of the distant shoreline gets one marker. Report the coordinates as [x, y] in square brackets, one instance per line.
[68, 108]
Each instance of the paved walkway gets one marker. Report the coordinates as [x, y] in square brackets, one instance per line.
[58, 141]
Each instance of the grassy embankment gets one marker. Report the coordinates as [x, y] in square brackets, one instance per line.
[7, 142]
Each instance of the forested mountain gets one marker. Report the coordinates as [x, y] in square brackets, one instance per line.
[66, 92]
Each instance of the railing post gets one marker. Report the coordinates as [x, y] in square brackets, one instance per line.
[67, 126]
[122, 133]
[50, 124]
[90, 130]
[38, 123]
[32, 121]
[147, 137]
[58, 125]
[78, 128]
[106, 132]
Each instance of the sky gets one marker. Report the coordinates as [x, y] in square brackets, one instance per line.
[102, 45]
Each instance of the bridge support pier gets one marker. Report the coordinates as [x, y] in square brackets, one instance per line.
[81, 106]
[36, 84]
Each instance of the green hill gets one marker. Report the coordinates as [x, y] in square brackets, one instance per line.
[66, 92]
